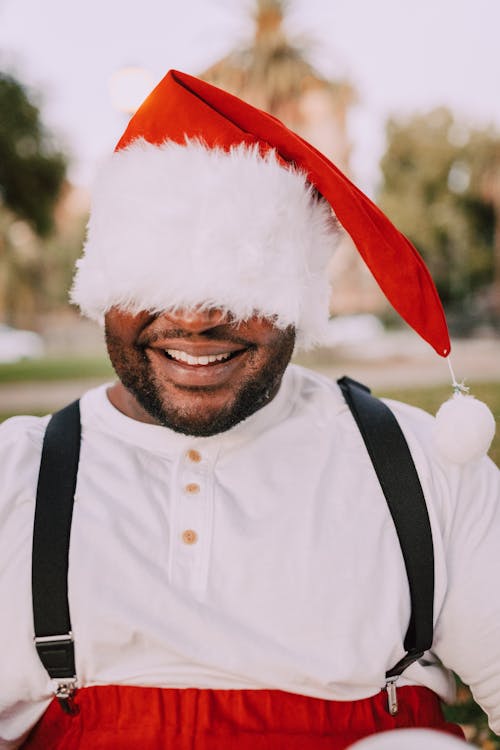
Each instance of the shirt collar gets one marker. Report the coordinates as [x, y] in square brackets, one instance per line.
[99, 413]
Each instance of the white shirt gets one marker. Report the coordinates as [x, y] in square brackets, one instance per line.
[290, 576]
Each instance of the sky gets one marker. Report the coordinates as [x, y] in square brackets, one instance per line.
[402, 57]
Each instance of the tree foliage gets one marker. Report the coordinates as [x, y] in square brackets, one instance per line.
[32, 170]
[435, 173]
[39, 238]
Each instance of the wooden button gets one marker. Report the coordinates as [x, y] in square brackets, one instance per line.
[192, 488]
[194, 456]
[189, 536]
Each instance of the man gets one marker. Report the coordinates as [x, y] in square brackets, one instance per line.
[235, 578]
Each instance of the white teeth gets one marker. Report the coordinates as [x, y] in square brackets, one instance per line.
[190, 360]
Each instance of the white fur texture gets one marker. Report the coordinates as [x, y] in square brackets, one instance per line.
[179, 226]
[464, 429]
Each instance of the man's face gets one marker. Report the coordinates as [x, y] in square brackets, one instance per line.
[195, 371]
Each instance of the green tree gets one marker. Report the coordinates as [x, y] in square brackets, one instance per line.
[437, 188]
[32, 173]
[32, 170]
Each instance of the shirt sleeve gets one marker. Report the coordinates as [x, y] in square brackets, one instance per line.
[467, 633]
[25, 689]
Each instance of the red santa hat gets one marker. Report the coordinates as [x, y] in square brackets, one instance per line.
[208, 201]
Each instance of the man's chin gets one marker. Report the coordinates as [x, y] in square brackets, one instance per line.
[197, 424]
[203, 415]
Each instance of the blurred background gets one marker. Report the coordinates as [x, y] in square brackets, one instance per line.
[404, 97]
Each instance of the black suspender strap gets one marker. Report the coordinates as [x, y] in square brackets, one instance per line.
[51, 535]
[401, 486]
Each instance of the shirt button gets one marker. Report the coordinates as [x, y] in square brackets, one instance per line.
[189, 536]
[192, 488]
[194, 456]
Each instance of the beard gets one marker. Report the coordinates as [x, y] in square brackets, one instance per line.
[252, 391]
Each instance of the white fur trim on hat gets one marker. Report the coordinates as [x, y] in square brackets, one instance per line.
[179, 226]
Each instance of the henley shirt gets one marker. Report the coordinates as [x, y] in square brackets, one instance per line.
[264, 557]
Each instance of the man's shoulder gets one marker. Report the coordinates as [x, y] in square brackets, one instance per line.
[451, 487]
[416, 424]
[23, 427]
[412, 418]
[20, 436]
[21, 440]
[310, 383]
[313, 384]
[316, 398]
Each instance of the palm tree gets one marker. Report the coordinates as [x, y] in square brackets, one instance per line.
[273, 73]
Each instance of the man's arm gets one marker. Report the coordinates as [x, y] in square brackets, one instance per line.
[467, 634]
[25, 688]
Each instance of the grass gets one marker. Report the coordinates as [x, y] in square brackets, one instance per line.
[49, 368]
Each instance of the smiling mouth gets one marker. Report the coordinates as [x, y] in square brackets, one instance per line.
[205, 360]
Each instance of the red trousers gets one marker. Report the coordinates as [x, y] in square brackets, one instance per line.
[132, 718]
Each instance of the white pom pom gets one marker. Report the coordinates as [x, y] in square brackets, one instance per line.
[464, 429]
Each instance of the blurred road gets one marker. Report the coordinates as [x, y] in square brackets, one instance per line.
[413, 363]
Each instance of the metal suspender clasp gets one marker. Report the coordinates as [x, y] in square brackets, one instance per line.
[65, 692]
[58, 657]
[392, 697]
[393, 675]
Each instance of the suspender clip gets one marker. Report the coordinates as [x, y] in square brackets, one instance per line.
[64, 693]
[392, 698]
[57, 655]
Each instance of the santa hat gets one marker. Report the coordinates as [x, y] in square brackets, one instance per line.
[210, 202]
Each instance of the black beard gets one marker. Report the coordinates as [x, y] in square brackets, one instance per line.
[134, 371]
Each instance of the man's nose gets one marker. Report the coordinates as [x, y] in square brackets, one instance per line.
[195, 320]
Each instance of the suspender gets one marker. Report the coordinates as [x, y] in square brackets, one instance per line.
[51, 535]
[387, 449]
[393, 464]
